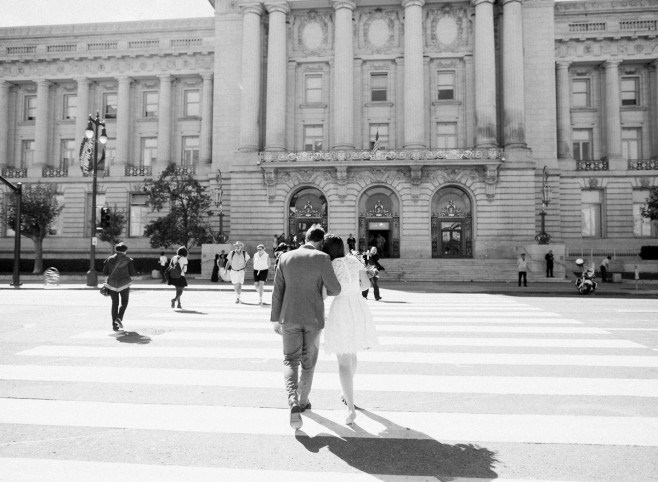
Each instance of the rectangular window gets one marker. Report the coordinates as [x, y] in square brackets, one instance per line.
[630, 144]
[100, 202]
[630, 94]
[56, 228]
[110, 105]
[378, 87]
[591, 204]
[582, 144]
[446, 135]
[642, 227]
[138, 213]
[27, 154]
[67, 153]
[190, 155]
[150, 103]
[446, 85]
[110, 152]
[149, 151]
[580, 93]
[382, 130]
[70, 111]
[313, 89]
[30, 108]
[313, 138]
[191, 98]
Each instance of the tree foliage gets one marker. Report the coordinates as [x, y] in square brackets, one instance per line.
[188, 206]
[111, 233]
[650, 210]
[39, 209]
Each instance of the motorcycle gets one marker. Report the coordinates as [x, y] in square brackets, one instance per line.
[585, 284]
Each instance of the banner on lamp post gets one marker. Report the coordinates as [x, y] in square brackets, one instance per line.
[86, 155]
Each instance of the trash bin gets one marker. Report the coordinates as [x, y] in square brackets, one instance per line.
[155, 274]
[616, 277]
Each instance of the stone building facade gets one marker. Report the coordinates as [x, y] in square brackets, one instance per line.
[429, 128]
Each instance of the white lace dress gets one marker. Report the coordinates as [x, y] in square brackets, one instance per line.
[349, 326]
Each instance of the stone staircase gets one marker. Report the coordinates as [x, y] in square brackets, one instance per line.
[445, 269]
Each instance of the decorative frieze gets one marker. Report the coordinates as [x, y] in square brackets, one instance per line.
[311, 33]
[592, 5]
[379, 31]
[447, 29]
[382, 155]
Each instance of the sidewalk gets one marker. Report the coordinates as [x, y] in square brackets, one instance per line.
[565, 288]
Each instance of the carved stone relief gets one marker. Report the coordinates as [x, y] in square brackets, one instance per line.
[388, 176]
[311, 32]
[379, 31]
[605, 48]
[447, 29]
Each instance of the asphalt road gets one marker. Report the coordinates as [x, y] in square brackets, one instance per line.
[463, 386]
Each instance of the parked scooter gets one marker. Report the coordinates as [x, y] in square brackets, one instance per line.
[585, 284]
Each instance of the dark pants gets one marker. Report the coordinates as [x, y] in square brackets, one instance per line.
[116, 311]
[375, 287]
[604, 272]
[524, 275]
[549, 270]
[162, 273]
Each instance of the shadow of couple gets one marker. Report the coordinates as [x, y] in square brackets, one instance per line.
[399, 451]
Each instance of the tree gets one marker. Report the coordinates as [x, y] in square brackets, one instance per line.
[112, 226]
[39, 209]
[186, 223]
[650, 210]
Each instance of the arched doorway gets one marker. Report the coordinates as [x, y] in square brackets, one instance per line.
[379, 222]
[452, 224]
[307, 206]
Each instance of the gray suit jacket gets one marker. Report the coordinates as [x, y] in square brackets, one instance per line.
[297, 292]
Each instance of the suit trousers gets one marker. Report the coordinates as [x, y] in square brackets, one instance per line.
[301, 345]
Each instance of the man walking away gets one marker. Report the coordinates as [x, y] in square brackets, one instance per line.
[523, 270]
[549, 263]
[605, 265]
[298, 315]
[236, 263]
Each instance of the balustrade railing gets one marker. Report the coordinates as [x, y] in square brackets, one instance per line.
[593, 165]
[54, 172]
[11, 172]
[61, 48]
[185, 170]
[22, 49]
[638, 25]
[599, 254]
[138, 171]
[103, 173]
[102, 46]
[587, 27]
[144, 44]
[643, 164]
[185, 42]
[383, 155]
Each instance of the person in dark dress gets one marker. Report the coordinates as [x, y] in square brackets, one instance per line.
[214, 277]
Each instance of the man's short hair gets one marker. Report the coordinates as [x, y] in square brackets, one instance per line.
[315, 234]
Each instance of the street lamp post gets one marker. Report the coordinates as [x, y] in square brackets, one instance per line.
[543, 237]
[92, 132]
[218, 203]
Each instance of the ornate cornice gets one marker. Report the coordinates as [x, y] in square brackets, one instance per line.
[566, 7]
[277, 6]
[337, 4]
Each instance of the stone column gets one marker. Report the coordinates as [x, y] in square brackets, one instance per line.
[277, 65]
[654, 108]
[469, 99]
[613, 115]
[41, 123]
[4, 123]
[205, 141]
[81, 119]
[123, 128]
[564, 132]
[164, 125]
[513, 74]
[414, 92]
[485, 75]
[250, 79]
[343, 98]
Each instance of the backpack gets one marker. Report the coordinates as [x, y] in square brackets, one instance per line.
[173, 271]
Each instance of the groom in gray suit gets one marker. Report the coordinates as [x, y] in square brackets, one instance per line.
[298, 315]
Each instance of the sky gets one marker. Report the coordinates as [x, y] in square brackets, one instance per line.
[15, 13]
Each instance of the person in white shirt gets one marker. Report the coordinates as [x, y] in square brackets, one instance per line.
[523, 270]
[261, 266]
[236, 263]
[163, 266]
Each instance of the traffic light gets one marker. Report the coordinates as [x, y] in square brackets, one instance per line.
[105, 217]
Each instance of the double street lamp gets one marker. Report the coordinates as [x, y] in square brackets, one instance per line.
[543, 237]
[92, 133]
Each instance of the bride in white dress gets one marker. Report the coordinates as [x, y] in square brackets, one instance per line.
[349, 326]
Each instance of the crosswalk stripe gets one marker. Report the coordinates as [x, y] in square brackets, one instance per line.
[468, 427]
[147, 351]
[521, 385]
[395, 341]
[29, 470]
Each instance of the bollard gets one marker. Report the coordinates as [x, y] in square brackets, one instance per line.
[51, 277]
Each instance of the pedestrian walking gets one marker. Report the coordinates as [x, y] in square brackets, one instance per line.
[162, 264]
[214, 277]
[236, 264]
[351, 243]
[222, 262]
[549, 263]
[349, 327]
[177, 269]
[119, 270]
[522, 265]
[298, 315]
[605, 265]
[373, 268]
[261, 268]
[275, 243]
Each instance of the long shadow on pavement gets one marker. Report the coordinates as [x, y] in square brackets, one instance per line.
[132, 337]
[418, 455]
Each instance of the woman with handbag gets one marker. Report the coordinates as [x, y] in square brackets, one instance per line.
[177, 269]
[119, 270]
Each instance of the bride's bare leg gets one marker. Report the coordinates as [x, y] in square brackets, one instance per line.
[346, 369]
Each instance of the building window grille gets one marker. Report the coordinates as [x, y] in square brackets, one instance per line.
[446, 85]
[150, 103]
[27, 154]
[591, 206]
[191, 99]
[70, 110]
[190, 155]
[110, 103]
[582, 144]
[580, 93]
[313, 89]
[30, 108]
[446, 135]
[149, 151]
[379, 87]
[630, 91]
[313, 138]
[68, 153]
[138, 215]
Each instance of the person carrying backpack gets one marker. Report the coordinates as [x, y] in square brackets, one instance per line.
[176, 274]
[236, 263]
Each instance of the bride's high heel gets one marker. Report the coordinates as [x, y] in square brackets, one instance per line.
[351, 415]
